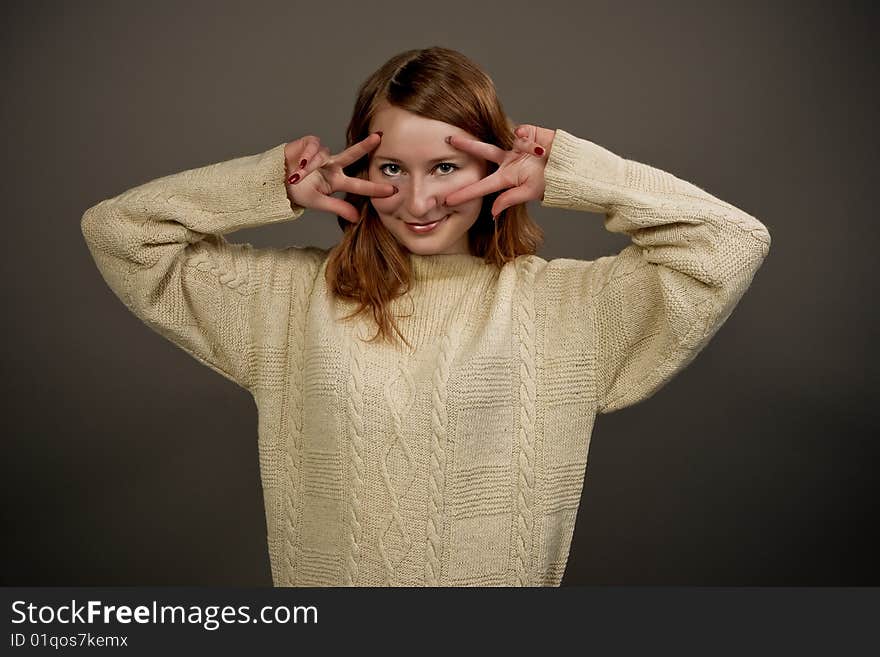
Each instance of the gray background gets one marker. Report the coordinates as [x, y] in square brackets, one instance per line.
[128, 462]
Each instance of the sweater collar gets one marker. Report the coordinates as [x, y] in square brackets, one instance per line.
[447, 291]
[446, 266]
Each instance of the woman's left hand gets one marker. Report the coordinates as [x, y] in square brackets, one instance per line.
[520, 171]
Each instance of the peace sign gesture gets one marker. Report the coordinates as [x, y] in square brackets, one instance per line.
[319, 174]
[520, 171]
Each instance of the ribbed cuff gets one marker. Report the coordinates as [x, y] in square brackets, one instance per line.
[580, 174]
[271, 175]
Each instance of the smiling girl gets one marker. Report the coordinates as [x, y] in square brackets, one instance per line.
[427, 388]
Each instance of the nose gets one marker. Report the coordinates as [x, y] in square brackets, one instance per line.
[421, 198]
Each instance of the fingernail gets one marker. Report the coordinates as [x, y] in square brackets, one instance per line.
[293, 178]
[449, 140]
[379, 132]
[302, 163]
[539, 150]
[395, 188]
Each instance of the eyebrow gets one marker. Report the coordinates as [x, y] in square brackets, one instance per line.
[451, 156]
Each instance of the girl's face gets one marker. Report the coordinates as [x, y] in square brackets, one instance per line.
[414, 156]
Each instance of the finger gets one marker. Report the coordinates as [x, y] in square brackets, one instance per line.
[479, 148]
[513, 196]
[337, 206]
[526, 132]
[316, 161]
[366, 187]
[293, 165]
[312, 144]
[487, 185]
[357, 150]
[524, 145]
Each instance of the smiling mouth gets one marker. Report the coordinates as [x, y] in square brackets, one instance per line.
[430, 222]
[413, 223]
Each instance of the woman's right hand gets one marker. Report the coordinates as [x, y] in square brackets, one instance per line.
[311, 186]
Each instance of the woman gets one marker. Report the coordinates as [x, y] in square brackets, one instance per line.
[427, 388]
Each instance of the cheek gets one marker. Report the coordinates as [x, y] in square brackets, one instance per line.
[461, 181]
[385, 205]
[382, 205]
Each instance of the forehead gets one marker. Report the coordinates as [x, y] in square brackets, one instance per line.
[396, 121]
[413, 138]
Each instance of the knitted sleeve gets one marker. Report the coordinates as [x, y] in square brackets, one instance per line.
[160, 248]
[654, 306]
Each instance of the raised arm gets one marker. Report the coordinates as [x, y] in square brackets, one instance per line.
[657, 303]
[160, 248]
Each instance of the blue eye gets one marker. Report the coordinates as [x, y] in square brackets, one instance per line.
[441, 164]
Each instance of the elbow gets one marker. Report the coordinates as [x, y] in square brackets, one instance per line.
[749, 240]
[752, 248]
[106, 231]
[741, 245]
[759, 245]
[761, 236]
[754, 232]
[93, 225]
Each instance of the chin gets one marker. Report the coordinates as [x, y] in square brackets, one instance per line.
[425, 249]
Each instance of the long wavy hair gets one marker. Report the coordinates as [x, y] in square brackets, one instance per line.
[369, 266]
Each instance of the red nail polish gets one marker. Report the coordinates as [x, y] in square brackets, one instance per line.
[293, 178]
[539, 150]
[302, 163]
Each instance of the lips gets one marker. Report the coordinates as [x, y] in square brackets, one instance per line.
[413, 223]
[426, 228]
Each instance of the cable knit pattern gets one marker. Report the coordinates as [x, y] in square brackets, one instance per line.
[290, 441]
[459, 461]
[437, 471]
[356, 414]
[399, 393]
[527, 395]
[208, 261]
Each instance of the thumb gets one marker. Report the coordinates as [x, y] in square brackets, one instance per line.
[338, 207]
[511, 197]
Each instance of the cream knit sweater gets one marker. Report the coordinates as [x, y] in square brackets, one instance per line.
[461, 462]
